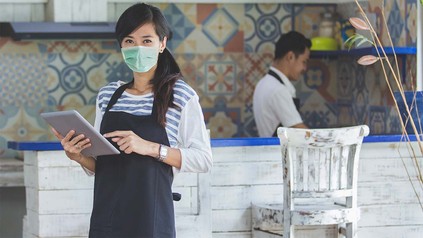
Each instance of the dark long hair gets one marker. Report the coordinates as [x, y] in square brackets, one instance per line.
[167, 71]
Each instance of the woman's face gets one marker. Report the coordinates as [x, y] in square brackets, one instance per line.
[144, 35]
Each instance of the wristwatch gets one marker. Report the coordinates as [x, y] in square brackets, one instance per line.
[162, 153]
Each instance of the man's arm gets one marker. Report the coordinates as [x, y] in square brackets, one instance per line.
[300, 125]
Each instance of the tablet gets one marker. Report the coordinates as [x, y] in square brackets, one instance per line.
[64, 121]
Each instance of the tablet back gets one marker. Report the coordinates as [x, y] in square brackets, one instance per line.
[64, 121]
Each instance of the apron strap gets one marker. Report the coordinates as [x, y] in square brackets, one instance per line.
[117, 94]
[296, 100]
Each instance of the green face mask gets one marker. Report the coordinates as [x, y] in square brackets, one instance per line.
[140, 58]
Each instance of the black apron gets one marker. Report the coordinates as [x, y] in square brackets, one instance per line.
[296, 100]
[132, 192]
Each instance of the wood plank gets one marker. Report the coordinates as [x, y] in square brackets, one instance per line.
[384, 170]
[185, 180]
[100, 13]
[379, 193]
[247, 154]
[53, 225]
[80, 11]
[241, 197]
[391, 232]
[387, 150]
[301, 232]
[231, 220]
[22, 12]
[48, 159]
[391, 215]
[11, 179]
[6, 12]
[51, 202]
[253, 173]
[232, 234]
[23, 1]
[11, 172]
[62, 10]
[111, 11]
[57, 178]
[38, 12]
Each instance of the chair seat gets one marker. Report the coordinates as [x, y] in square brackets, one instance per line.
[269, 217]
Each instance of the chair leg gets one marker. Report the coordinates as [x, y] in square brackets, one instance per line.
[351, 230]
[288, 231]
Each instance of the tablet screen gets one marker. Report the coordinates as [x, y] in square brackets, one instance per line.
[64, 121]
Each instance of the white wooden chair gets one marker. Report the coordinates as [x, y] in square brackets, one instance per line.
[320, 169]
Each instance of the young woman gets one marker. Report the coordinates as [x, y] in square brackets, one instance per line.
[156, 122]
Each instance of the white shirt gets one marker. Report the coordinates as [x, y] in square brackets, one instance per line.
[273, 104]
[185, 127]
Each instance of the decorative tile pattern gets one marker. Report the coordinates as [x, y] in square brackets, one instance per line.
[188, 65]
[22, 79]
[74, 80]
[360, 98]
[263, 25]
[223, 121]
[220, 27]
[78, 47]
[223, 50]
[411, 22]
[377, 121]
[396, 23]
[181, 25]
[221, 76]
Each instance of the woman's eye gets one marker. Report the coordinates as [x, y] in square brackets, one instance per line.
[129, 41]
[147, 41]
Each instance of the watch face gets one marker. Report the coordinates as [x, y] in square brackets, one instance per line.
[163, 152]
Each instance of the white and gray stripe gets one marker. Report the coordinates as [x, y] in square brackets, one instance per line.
[142, 105]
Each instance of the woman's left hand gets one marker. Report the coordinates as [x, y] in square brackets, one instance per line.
[129, 142]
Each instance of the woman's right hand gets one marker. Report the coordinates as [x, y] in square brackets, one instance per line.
[73, 145]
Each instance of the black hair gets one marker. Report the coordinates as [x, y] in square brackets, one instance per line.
[291, 41]
[167, 71]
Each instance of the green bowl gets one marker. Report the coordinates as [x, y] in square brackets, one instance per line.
[323, 43]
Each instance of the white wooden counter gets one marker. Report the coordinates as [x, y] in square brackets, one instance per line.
[59, 194]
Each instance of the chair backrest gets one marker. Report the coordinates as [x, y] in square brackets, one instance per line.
[321, 163]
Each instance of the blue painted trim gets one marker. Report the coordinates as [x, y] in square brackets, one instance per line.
[34, 145]
[244, 142]
[363, 51]
[228, 142]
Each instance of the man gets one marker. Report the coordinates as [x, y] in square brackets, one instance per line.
[274, 100]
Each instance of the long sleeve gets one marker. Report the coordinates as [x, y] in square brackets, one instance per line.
[194, 139]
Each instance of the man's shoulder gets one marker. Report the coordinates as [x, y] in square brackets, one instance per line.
[269, 86]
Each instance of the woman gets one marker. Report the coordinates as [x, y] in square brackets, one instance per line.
[155, 121]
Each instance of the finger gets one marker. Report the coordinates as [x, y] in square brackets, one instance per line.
[78, 138]
[118, 134]
[128, 150]
[124, 147]
[56, 133]
[69, 135]
[117, 140]
[83, 143]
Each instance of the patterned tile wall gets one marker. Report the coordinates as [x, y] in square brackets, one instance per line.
[223, 50]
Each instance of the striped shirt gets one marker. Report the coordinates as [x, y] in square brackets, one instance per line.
[185, 125]
[142, 105]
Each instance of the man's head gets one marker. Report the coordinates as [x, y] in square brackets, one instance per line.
[292, 52]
